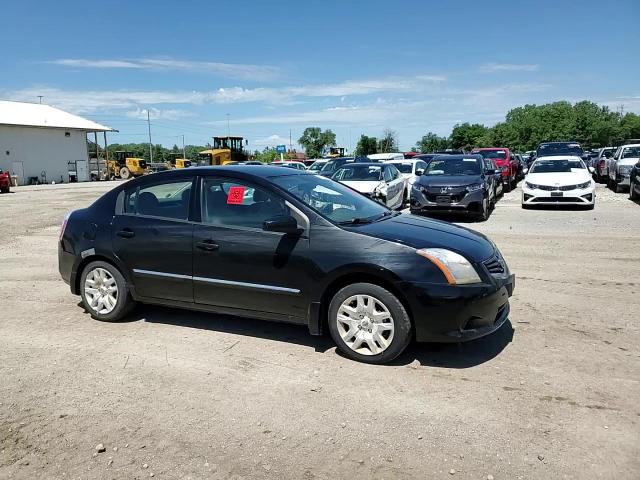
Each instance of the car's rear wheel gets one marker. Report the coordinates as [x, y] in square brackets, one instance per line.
[632, 190]
[369, 323]
[104, 292]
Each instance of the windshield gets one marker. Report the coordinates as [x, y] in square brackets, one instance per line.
[556, 166]
[330, 166]
[404, 167]
[316, 166]
[353, 173]
[550, 149]
[453, 166]
[495, 154]
[631, 152]
[333, 200]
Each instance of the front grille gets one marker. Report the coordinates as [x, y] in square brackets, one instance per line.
[564, 188]
[495, 265]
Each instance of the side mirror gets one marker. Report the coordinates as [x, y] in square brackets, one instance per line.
[525, 170]
[591, 169]
[282, 224]
[420, 172]
[491, 171]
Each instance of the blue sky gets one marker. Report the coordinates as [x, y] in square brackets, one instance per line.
[280, 66]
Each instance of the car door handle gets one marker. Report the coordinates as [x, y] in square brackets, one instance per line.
[207, 245]
[126, 233]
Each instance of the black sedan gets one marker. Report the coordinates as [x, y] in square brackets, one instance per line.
[455, 183]
[278, 244]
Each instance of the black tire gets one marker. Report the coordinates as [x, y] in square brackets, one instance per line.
[125, 173]
[402, 333]
[506, 187]
[632, 190]
[617, 187]
[483, 216]
[124, 303]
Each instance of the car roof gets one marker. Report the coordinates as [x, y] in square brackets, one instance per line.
[559, 157]
[459, 157]
[631, 145]
[406, 160]
[364, 164]
[264, 171]
[485, 149]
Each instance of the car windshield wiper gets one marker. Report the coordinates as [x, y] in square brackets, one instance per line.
[356, 221]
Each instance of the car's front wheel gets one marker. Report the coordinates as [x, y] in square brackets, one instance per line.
[632, 190]
[369, 323]
[104, 292]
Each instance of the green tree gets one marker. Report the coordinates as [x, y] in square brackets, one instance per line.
[366, 146]
[467, 136]
[316, 142]
[388, 142]
[268, 155]
[431, 143]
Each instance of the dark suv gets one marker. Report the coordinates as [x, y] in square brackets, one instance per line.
[455, 183]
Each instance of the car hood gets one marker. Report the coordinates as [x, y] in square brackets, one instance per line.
[628, 161]
[563, 178]
[363, 186]
[449, 180]
[419, 232]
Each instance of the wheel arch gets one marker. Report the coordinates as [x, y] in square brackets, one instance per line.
[320, 322]
[75, 283]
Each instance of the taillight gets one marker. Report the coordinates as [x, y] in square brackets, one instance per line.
[64, 224]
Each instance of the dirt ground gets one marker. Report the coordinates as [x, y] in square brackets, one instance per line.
[177, 394]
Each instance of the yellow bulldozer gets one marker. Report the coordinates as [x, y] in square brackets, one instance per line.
[335, 152]
[225, 150]
[124, 165]
[176, 160]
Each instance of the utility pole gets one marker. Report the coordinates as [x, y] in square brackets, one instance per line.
[184, 155]
[40, 97]
[228, 128]
[150, 145]
[290, 144]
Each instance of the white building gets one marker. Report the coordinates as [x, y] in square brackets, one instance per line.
[44, 143]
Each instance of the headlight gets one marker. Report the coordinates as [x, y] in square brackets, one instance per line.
[475, 187]
[585, 185]
[456, 269]
[625, 169]
[381, 189]
[532, 186]
[415, 187]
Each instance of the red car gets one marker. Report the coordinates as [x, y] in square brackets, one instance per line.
[507, 163]
[5, 182]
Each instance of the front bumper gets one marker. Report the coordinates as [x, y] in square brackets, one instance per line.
[423, 201]
[445, 313]
[535, 196]
[623, 180]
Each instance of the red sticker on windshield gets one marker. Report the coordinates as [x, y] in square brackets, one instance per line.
[235, 195]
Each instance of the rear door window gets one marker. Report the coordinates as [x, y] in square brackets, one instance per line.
[163, 200]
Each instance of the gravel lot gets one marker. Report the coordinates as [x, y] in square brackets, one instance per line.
[176, 394]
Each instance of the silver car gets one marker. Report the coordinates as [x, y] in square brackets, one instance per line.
[620, 166]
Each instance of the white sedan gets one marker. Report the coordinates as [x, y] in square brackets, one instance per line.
[411, 169]
[380, 181]
[564, 180]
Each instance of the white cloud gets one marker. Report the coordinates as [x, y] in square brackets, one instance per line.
[158, 114]
[88, 101]
[270, 141]
[233, 70]
[507, 67]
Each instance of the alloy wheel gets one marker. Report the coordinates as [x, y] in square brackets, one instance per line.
[365, 324]
[101, 291]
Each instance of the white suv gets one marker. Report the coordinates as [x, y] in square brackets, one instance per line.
[620, 165]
